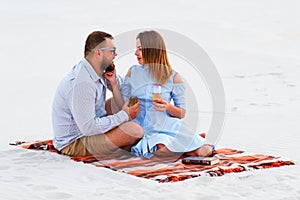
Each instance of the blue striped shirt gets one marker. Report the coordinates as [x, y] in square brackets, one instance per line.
[79, 106]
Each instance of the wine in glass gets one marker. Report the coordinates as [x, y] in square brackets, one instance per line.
[156, 92]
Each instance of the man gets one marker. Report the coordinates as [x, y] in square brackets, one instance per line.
[80, 122]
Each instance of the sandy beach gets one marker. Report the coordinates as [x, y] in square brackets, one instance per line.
[254, 46]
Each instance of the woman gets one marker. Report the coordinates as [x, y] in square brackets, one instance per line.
[165, 134]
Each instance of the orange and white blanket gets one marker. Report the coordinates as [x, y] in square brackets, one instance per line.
[171, 169]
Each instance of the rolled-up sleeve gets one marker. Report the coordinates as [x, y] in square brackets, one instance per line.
[83, 108]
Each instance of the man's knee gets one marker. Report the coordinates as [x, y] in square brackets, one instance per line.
[138, 131]
[133, 129]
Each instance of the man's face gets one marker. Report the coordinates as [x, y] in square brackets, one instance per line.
[109, 53]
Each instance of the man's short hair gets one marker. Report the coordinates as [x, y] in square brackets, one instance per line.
[94, 39]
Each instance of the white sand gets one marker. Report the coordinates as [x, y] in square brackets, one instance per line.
[255, 46]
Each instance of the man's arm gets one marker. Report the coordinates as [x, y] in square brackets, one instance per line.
[117, 100]
[83, 110]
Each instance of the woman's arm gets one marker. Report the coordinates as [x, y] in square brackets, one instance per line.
[163, 105]
[176, 111]
[126, 86]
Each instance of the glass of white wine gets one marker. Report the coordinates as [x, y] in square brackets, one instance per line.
[156, 92]
[157, 116]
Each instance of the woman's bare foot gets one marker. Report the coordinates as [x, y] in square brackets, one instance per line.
[162, 150]
[205, 151]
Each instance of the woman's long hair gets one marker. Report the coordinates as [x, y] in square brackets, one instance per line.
[155, 56]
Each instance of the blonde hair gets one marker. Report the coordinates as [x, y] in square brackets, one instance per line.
[155, 56]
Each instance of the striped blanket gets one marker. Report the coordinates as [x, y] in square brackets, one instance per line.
[171, 169]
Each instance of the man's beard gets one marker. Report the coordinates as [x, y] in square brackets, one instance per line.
[105, 64]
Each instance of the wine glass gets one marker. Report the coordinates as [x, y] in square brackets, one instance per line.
[156, 92]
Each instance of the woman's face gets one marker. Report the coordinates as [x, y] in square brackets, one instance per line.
[138, 52]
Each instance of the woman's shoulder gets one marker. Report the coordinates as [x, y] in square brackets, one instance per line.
[176, 77]
[131, 69]
[134, 69]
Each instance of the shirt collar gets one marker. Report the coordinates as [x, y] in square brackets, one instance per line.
[93, 74]
[91, 70]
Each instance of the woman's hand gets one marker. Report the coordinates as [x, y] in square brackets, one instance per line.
[160, 104]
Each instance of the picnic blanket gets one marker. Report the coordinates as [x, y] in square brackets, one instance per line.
[171, 169]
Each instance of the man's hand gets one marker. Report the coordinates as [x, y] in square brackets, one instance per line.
[131, 111]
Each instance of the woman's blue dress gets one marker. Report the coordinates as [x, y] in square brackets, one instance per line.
[159, 127]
